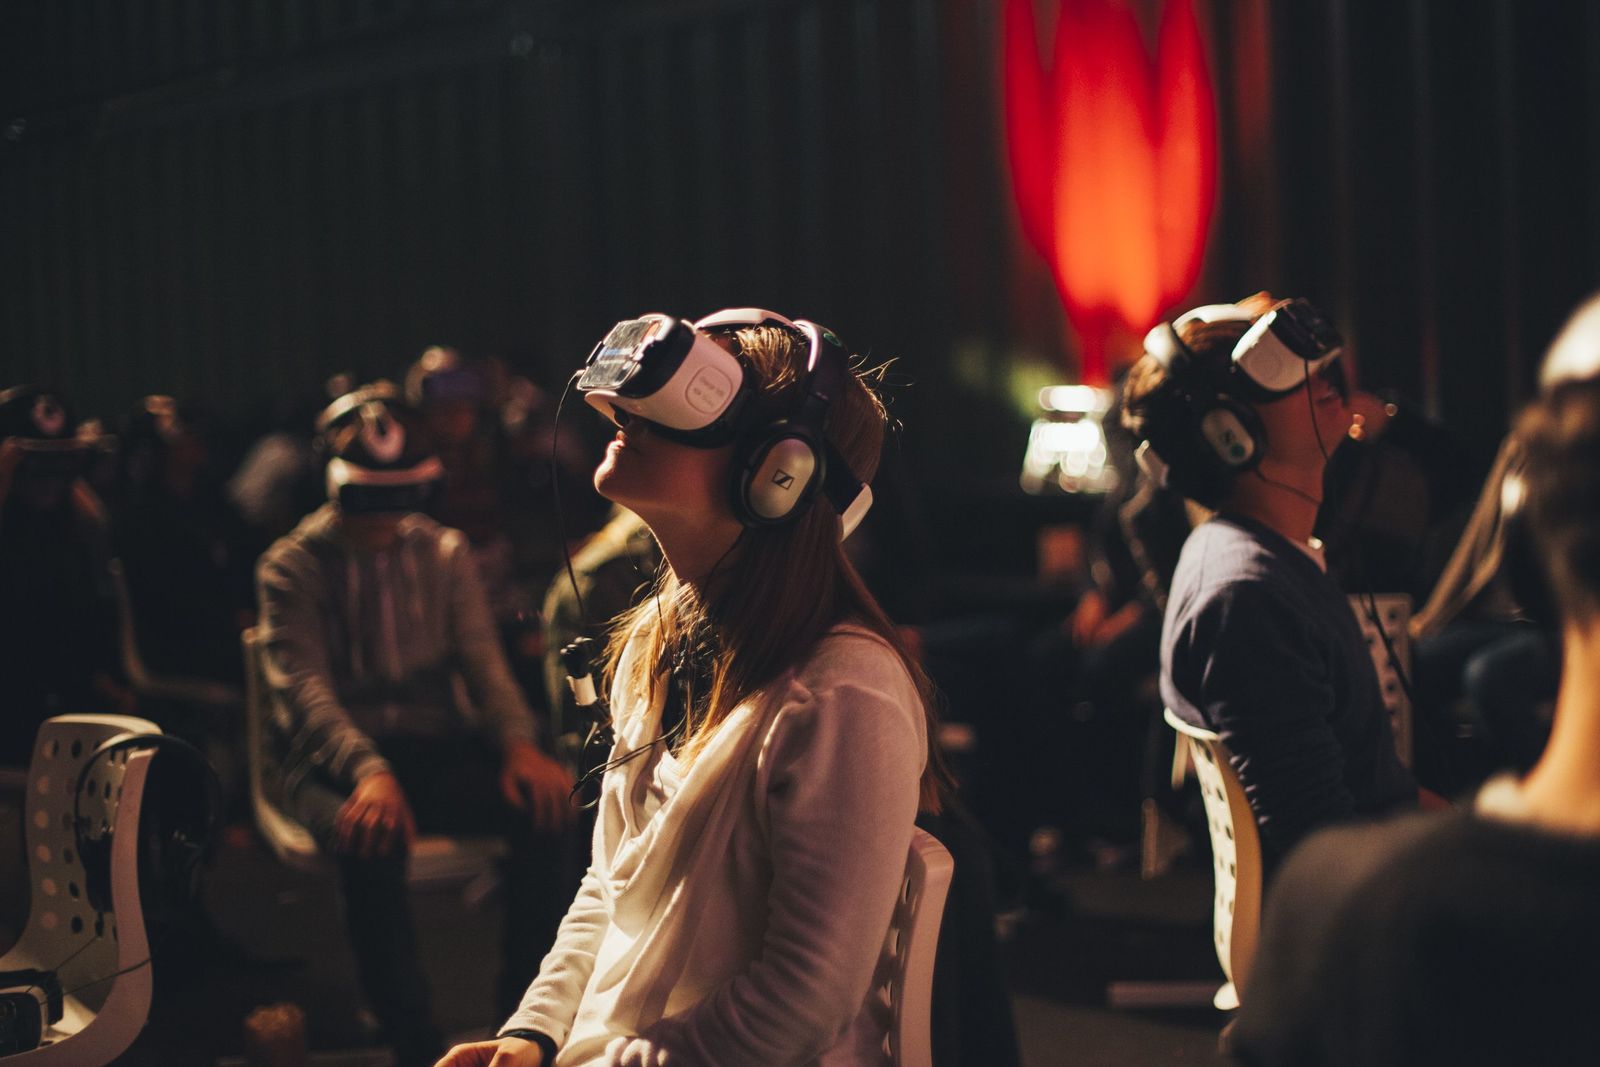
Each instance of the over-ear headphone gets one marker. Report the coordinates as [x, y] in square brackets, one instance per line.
[1203, 434]
[778, 466]
[175, 834]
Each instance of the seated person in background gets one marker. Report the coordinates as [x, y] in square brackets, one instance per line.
[59, 650]
[369, 612]
[186, 552]
[613, 570]
[1469, 938]
[1487, 651]
[774, 740]
[1242, 404]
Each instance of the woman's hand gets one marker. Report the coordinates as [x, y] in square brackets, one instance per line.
[537, 784]
[505, 1052]
[376, 820]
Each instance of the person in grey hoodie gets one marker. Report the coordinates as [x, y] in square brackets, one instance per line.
[374, 620]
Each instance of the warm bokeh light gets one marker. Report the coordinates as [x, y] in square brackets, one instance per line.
[1113, 158]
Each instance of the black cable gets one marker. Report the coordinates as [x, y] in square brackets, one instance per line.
[555, 491]
[106, 978]
[80, 987]
[1287, 488]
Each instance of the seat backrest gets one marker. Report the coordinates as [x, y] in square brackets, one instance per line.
[99, 958]
[289, 841]
[1235, 852]
[905, 969]
[1394, 614]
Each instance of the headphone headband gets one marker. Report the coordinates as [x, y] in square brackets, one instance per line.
[768, 489]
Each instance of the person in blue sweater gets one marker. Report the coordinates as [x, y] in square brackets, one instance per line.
[1468, 938]
[1239, 407]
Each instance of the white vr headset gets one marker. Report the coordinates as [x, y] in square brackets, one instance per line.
[676, 376]
[668, 372]
[1279, 351]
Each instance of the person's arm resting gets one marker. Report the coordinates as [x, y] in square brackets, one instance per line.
[551, 1002]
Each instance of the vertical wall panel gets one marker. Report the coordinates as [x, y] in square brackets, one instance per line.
[206, 189]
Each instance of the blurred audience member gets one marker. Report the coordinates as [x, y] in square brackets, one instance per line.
[276, 483]
[1397, 493]
[1471, 938]
[1486, 650]
[613, 570]
[59, 640]
[487, 497]
[1241, 411]
[1095, 671]
[185, 551]
[370, 613]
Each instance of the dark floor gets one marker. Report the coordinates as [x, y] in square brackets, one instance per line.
[281, 940]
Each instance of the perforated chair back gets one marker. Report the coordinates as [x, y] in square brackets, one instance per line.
[1394, 613]
[1235, 857]
[288, 840]
[436, 860]
[101, 959]
[904, 980]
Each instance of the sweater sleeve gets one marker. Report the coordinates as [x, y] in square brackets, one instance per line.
[1266, 690]
[321, 731]
[551, 1002]
[838, 778]
[479, 654]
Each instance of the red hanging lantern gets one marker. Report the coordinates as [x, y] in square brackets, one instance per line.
[1113, 159]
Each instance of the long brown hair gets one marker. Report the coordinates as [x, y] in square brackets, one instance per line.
[781, 588]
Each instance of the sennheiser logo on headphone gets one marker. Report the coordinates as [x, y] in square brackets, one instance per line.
[782, 479]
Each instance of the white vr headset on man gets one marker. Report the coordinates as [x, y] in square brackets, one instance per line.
[1276, 355]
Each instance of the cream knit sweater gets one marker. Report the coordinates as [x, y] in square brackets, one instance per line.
[735, 910]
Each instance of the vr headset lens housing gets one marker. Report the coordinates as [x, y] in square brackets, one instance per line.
[665, 371]
[676, 376]
[1274, 357]
[1286, 346]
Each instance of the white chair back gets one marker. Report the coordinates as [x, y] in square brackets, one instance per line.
[1235, 857]
[101, 960]
[905, 970]
[1394, 613]
[288, 840]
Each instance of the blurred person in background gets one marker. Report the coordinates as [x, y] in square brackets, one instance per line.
[59, 639]
[370, 614]
[187, 554]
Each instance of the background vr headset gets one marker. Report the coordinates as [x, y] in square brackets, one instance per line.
[371, 474]
[1280, 353]
[674, 375]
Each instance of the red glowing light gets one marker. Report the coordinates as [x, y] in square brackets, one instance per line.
[1113, 159]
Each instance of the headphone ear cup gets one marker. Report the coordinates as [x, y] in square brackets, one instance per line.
[775, 476]
[1233, 433]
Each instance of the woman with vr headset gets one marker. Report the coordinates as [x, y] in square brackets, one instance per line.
[1240, 407]
[773, 735]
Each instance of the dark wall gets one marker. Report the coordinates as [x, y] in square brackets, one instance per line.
[226, 199]
[232, 198]
[1438, 164]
